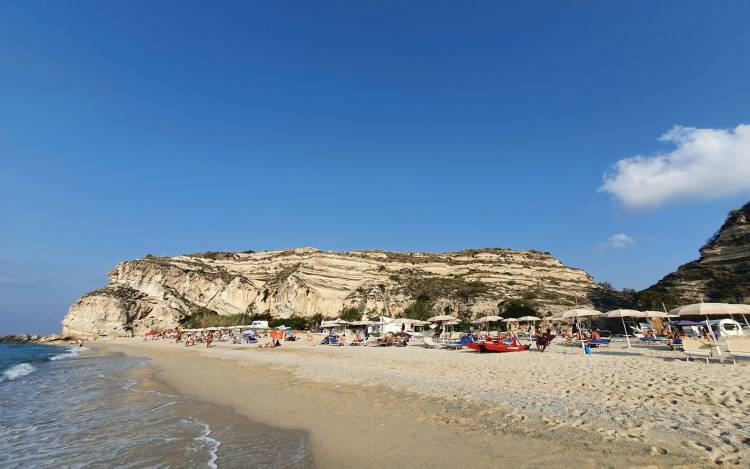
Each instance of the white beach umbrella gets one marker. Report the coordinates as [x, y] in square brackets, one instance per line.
[622, 314]
[710, 309]
[579, 313]
[507, 322]
[656, 314]
[743, 309]
[651, 315]
[441, 318]
[488, 320]
[555, 317]
[529, 318]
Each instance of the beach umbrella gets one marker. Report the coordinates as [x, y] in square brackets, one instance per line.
[507, 322]
[441, 318]
[579, 313]
[713, 309]
[741, 309]
[622, 314]
[651, 315]
[709, 309]
[488, 320]
[555, 317]
[529, 318]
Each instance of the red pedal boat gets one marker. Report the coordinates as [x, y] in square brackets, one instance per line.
[495, 345]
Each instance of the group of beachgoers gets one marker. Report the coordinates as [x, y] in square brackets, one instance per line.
[268, 339]
[542, 338]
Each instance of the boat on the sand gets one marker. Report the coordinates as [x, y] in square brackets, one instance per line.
[498, 345]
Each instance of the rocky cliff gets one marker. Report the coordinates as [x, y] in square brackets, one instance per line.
[721, 274]
[163, 291]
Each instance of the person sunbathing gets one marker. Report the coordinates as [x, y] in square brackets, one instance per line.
[543, 340]
[649, 334]
[595, 335]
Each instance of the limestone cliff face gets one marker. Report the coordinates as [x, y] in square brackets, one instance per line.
[722, 274]
[164, 290]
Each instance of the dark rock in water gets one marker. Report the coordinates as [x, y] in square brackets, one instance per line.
[16, 338]
[51, 338]
[720, 275]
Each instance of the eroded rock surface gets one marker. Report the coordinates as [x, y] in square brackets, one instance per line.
[721, 274]
[163, 290]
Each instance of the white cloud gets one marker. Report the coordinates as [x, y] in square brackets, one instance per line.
[620, 240]
[705, 164]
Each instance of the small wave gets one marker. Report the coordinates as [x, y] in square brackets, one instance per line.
[162, 406]
[16, 371]
[69, 353]
[213, 444]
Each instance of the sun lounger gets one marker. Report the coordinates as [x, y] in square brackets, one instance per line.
[739, 347]
[599, 342]
[696, 348]
[430, 343]
[452, 345]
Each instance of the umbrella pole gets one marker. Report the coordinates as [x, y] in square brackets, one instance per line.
[746, 323]
[710, 330]
[626, 330]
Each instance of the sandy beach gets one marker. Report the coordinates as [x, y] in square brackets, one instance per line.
[363, 406]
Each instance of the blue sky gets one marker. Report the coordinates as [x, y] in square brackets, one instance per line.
[139, 127]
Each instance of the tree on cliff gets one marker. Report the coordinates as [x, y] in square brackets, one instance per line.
[517, 307]
[350, 314]
[420, 309]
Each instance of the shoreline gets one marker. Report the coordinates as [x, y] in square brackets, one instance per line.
[331, 395]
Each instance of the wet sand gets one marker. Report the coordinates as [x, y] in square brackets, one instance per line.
[368, 407]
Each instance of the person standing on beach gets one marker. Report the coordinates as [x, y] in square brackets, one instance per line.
[209, 339]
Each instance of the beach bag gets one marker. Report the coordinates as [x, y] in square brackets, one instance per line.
[587, 349]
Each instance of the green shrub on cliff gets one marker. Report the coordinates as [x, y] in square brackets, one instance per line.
[420, 309]
[350, 314]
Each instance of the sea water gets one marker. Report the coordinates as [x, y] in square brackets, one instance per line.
[71, 407]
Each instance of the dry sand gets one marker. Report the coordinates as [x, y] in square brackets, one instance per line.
[366, 407]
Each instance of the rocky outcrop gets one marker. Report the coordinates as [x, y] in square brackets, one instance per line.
[722, 274]
[33, 338]
[162, 291]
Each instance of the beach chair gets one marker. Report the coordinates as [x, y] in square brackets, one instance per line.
[695, 348]
[429, 342]
[452, 345]
[739, 347]
[603, 342]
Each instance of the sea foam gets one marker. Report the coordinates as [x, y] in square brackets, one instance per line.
[16, 371]
[69, 353]
[211, 442]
